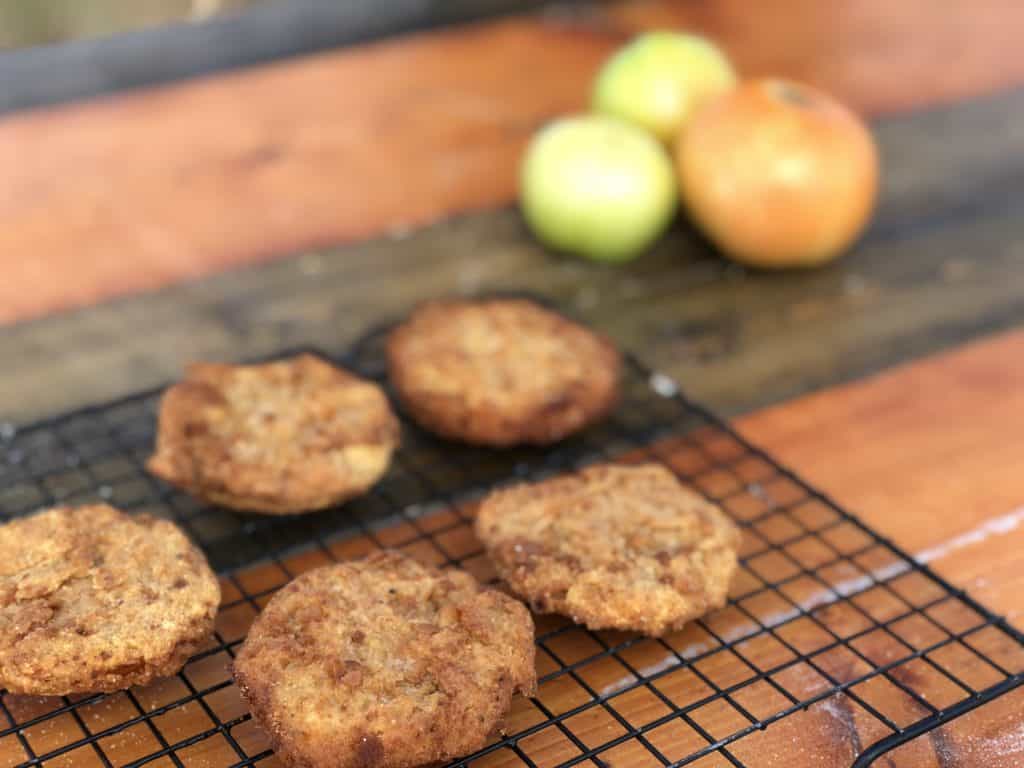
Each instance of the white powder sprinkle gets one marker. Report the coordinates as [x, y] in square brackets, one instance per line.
[663, 385]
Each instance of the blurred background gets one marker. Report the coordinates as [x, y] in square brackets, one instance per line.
[244, 165]
[52, 21]
[238, 177]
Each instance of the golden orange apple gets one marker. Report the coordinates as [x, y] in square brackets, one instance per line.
[778, 174]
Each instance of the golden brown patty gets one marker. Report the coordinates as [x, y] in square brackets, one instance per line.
[612, 547]
[384, 662]
[501, 372]
[279, 438]
[93, 600]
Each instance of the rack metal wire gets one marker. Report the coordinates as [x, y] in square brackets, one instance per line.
[827, 620]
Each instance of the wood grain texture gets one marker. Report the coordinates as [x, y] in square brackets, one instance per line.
[942, 264]
[151, 188]
[169, 184]
[931, 454]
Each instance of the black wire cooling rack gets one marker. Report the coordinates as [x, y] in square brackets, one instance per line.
[831, 632]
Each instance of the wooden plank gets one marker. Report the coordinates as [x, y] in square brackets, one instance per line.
[174, 180]
[930, 454]
[942, 264]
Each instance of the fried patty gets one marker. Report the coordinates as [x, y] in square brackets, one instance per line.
[279, 438]
[612, 547]
[501, 372]
[94, 600]
[384, 662]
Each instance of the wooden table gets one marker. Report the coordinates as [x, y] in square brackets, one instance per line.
[388, 195]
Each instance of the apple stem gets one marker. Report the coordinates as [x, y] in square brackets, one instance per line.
[792, 94]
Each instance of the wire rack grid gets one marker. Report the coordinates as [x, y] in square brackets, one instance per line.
[828, 623]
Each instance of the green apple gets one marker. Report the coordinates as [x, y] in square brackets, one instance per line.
[597, 186]
[659, 79]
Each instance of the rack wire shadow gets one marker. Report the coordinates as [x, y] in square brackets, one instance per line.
[826, 620]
